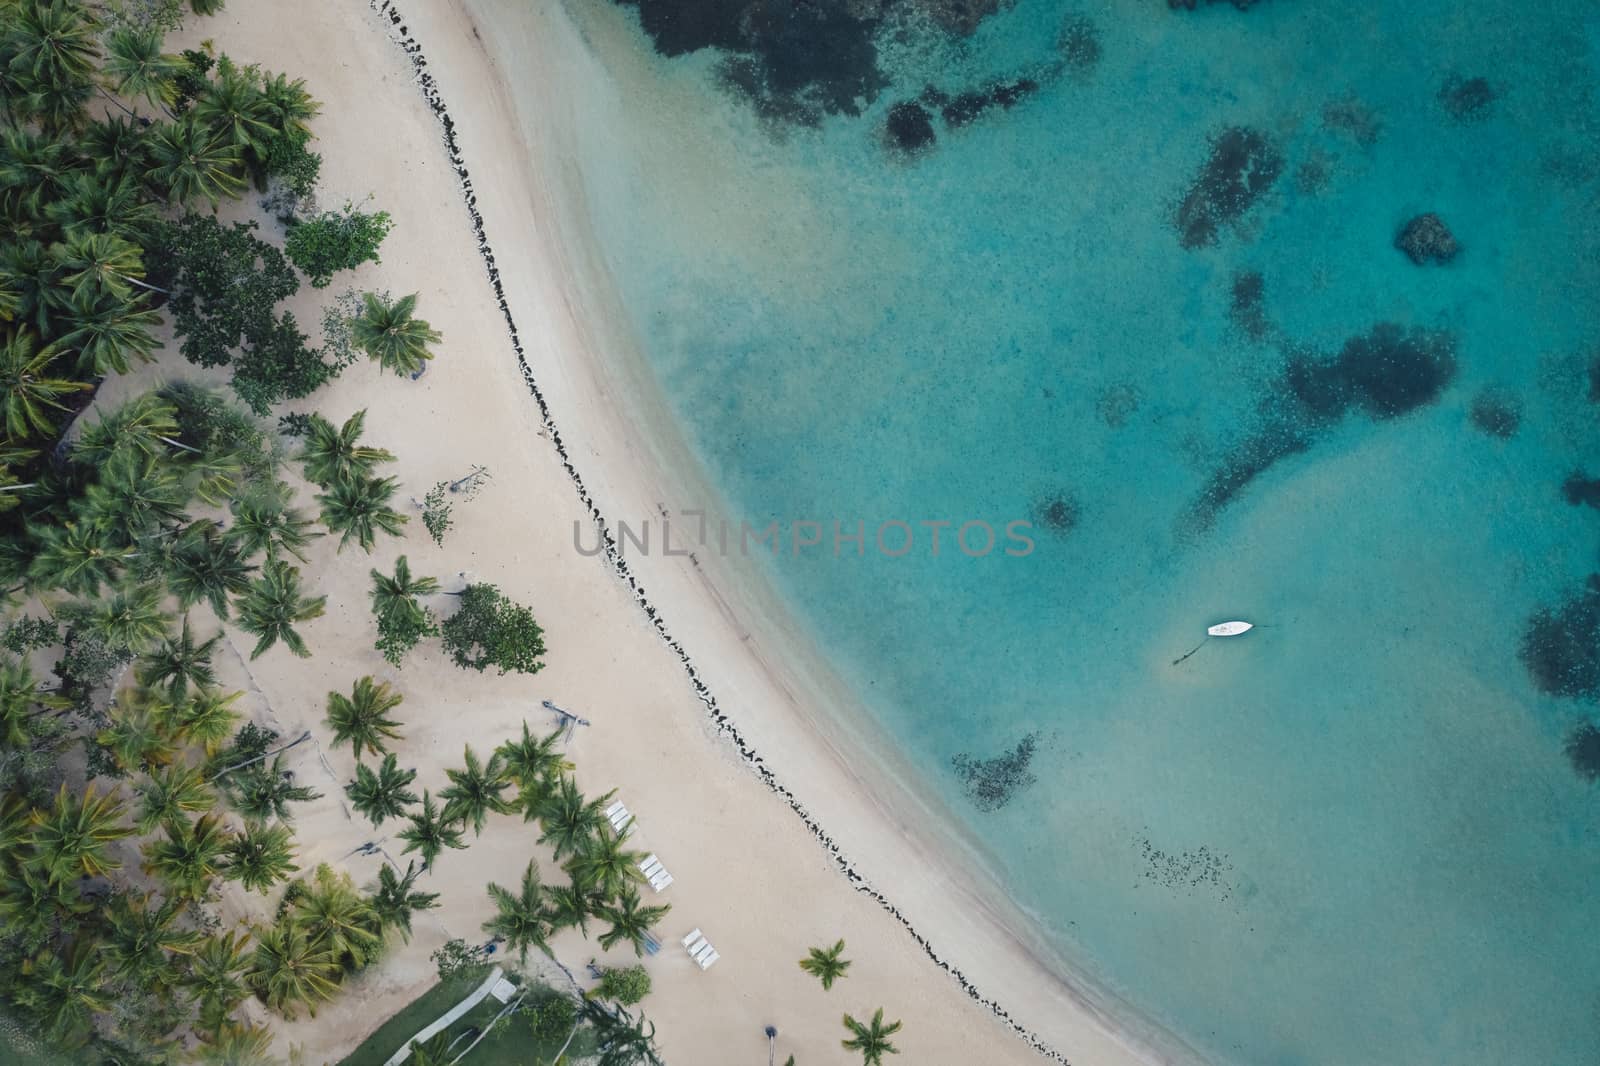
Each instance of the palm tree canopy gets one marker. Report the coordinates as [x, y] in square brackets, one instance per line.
[872, 1040]
[429, 833]
[826, 964]
[384, 794]
[388, 332]
[180, 663]
[360, 719]
[71, 836]
[332, 455]
[359, 507]
[474, 791]
[28, 388]
[520, 917]
[272, 607]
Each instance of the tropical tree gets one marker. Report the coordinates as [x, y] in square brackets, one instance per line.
[630, 921]
[190, 162]
[216, 974]
[204, 565]
[489, 629]
[332, 913]
[605, 863]
[52, 42]
[134, 495]
[520, 917]
[232, 106]
[272, 607]
[179, 664]
[396, 898]
[332, 455]
[429, 832]
[570, 906]
[361, 719]
[567, 820]
[172, 793]
[130, 620]
[384, 794]
[474, 791]
[402, 621]
[139, 735]
[98, 265]
[71, 836]
[140, 937]
[359, 507]
[390, 333]
[189, 856]
[263, 521]
[289, 968]
[530, 763]
[76, 558]
[620, 1038]
[65, 989]
[109, 334]
[872, 1039]
[262, 790]
[29, 392]
[207, 718]
[21, 703]
[34, 908]
[142, 426]
[260, 857]
[138, 69]
[826, 964]
[233, 1044]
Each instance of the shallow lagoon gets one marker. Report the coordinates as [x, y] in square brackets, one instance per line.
[1352, 836]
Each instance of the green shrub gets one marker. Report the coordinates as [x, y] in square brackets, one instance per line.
[626, 986]
[336, 240]
[490, 630]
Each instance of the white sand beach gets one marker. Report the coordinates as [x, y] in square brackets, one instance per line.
[748, 870]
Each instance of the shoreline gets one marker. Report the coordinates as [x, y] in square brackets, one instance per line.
[1149, 1044]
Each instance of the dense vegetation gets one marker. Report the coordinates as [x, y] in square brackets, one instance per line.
[132, 533]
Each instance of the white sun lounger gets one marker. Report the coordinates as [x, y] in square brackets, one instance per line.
[614, 808]
[620, 818]
[700, 950]
[649, 865]
[692, 937]
[700, 953]
[705, 963]
[661, 880]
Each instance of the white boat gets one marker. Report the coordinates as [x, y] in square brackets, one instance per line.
[1229, 629]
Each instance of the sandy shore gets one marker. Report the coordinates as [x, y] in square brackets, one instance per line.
[731, 765]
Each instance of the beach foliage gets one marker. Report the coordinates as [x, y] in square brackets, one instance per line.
[436, 508]
[336, 240]
[475, 790]
[429, 832]
[383, 793]
[403, 622]
[489, 629]
[620, 1038]
[630, 920]
[362, 718]
[871, 1038]
[519, 917]
[396, 898]
[273, 605]
[358, 509]
[390, 332]
[626, 985]
[457, 958]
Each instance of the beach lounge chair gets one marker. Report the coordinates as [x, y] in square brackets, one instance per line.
[620, 818]
[649, 865]
[661, 880]
[614, 808]
[700, 953]
[692, 937]
[651, 944]
[705, 963]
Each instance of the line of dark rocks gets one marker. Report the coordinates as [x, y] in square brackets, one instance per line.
[724, 724]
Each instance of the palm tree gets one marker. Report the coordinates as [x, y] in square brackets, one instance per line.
[332, 456]
[826, 964]
[605, 865]
[118, 147]
[96, 203]
[191, 162]
[28, 392]
[141, 936]
[22, 702]
[138, 69]
[180, 664]
[34, 908]
[567, 820]
[172, 793]
[70, 838]
[189, 856]
[397, 595]
[383, 794]
[520, 917]
[359, 507]
[206, 566]
[260, 857]
[52, 41]
[233, 108]
[35, 279]
[360, 719]
[474, 791]
[264, 791]
[289, 968]
[871, 1040]
[76, 558]
[429, 833]
[98, 265]
[109, 334]
[435, 1052]
[388, 333]
[233, 1044]
[334, 914]
[630, 921]
[272, 607]
[263, 521]
[133, 496]
[286, 106]
[139, 733]
[531, 763]
[570, 906]
[215, 975]
[129, 620]
[141, 426]
[65, 990]
[207, 718]
[396, 899]
[620, 1039]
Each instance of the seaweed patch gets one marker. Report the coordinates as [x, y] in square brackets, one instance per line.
[1496, 413]
[1242, 166]
[1561, 645]
[991, 783]
[1583, 749]
[1354, 119]
[1194, 870]
[1466, 99]
[1056, 514]
[1247, 308]
[909, 128]
[1116, 404]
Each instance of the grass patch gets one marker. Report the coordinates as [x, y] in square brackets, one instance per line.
[419, 1013]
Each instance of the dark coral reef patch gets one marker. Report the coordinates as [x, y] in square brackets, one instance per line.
[1466, 99]
[1496, 412]
[1580, 490]
[1386, 372]
[909, 128]
[1247, 308]
[1561, 645]
[1057, 513]
[991, 783]
[1242, 166]
[1583, 749]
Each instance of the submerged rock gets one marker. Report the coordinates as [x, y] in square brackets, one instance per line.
[1057, 514]
[1561, 645]
[1466, 99]
[909, 127]
[991, 783]
[1583, 749]
[1388, 372]
[1242, 166]
[1426, 239]
[1580, 490]
[1497, 413]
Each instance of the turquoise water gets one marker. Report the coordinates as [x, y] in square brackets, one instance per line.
[1353, 836]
